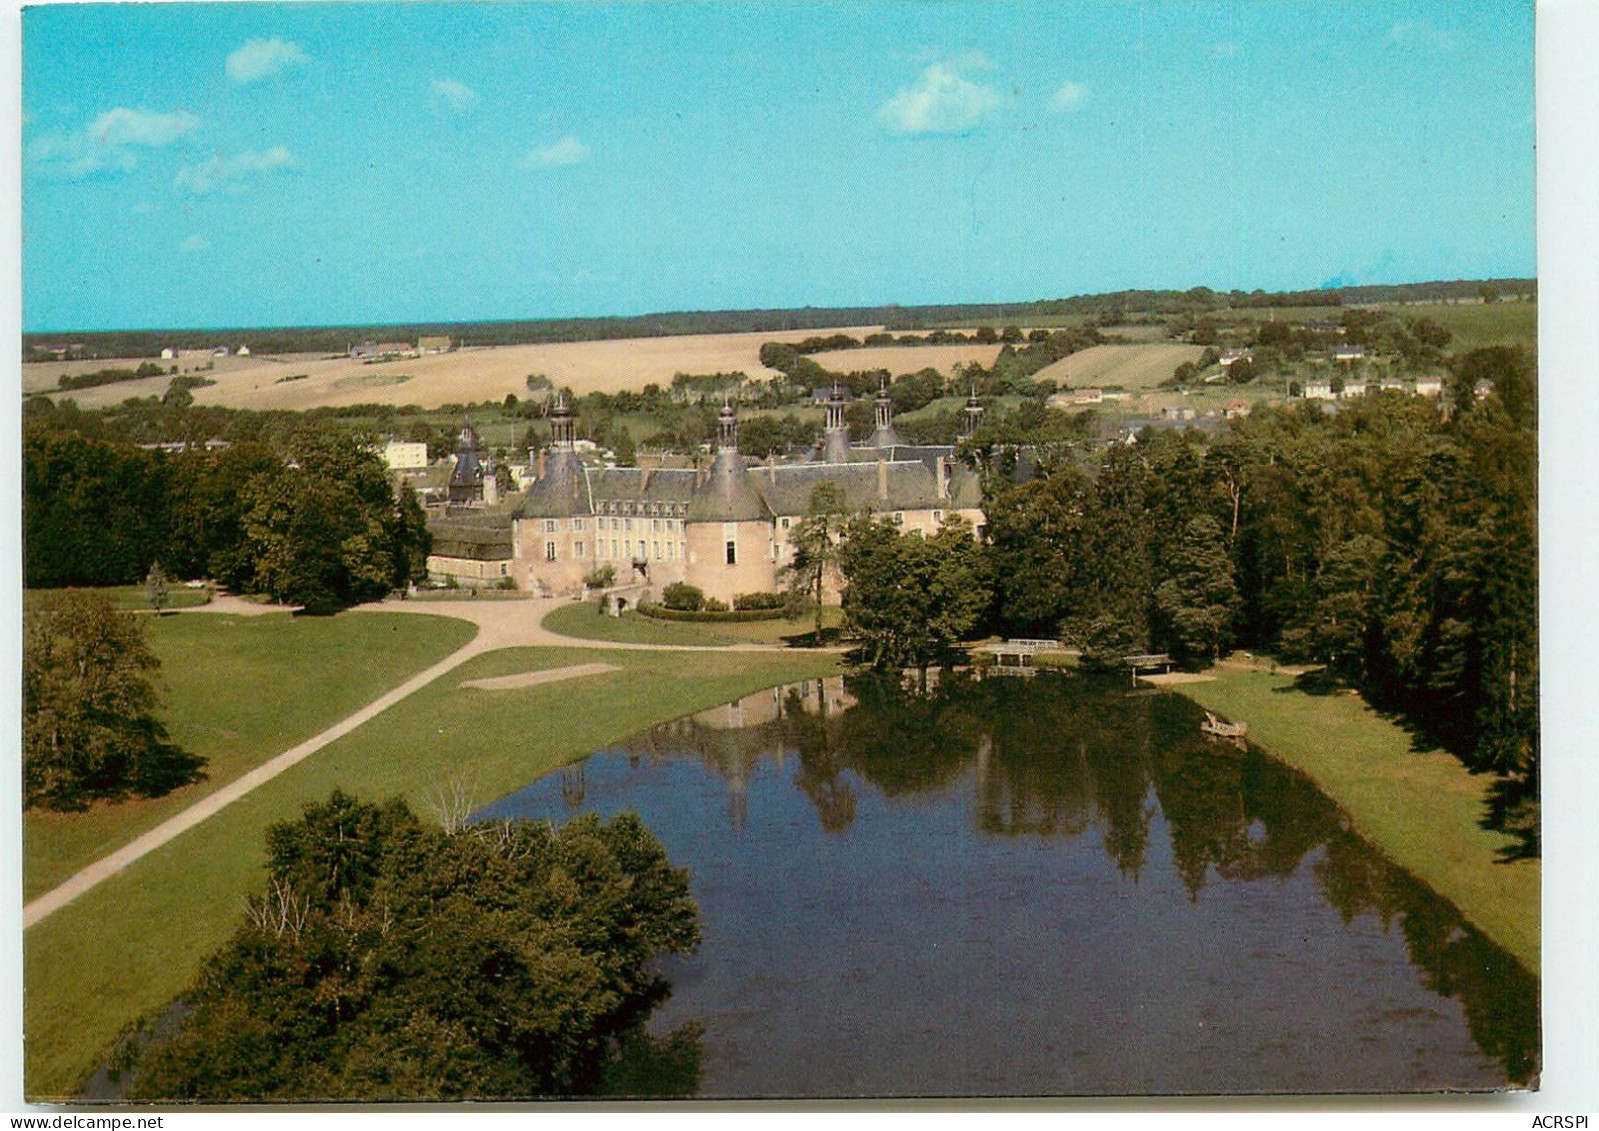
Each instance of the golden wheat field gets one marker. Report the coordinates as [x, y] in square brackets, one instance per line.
[311, 380]
[1130, 367]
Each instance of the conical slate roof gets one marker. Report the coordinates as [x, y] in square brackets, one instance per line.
[468, 468]
[728, 496]
[562, 491]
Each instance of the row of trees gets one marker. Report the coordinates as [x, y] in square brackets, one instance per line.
[318, 525]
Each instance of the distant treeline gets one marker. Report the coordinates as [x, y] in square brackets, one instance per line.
[336, 339]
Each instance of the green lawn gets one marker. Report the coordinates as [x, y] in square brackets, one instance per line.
[586, 622]
[130, 945]
[125, 597]
[240, 690]
[1421, 808]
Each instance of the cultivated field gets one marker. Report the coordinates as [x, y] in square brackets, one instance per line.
[1131, 367]
[907, 359]
[489, 374]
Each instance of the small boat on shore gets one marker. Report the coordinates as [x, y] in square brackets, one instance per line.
[1218, 729]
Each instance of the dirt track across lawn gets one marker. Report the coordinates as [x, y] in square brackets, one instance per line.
[500, 624]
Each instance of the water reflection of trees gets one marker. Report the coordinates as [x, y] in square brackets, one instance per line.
[1062, 756]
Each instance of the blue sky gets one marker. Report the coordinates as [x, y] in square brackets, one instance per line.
[258, 164]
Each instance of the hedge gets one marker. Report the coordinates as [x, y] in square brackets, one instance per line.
[661, 612]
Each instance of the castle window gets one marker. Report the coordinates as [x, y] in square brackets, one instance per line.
[783, 523]
[549, 526]
[505, 570]
[549, 551]
[682, 550]
[641, 554]
[899, 518]
[627, 524]
[938, 516]
[657, 551]
[577, 549]
[732, 553]
[577, 524]
[613, 548]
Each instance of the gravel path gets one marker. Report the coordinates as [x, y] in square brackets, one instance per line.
[500, 624]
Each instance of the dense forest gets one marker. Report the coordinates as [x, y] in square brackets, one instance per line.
[315, 523]
[336, 339]
[1393, 544]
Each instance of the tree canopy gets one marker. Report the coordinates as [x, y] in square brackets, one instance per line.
[89, 728]
[389, 959]
[910, 597]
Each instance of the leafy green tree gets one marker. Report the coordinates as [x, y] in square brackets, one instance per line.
[626, 449]
[89, 725]
[1199, 599]
[815, 539]
[156, 592]
[386, 959]
[1341, 628]
[908, 597]
[412, 542]
[93, 512]
[327, 532]
[1036, 541]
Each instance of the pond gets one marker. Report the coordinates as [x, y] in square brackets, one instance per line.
[1041, 886]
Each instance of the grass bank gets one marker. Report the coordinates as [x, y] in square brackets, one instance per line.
[1421, 808]
[586, 622]
[133, 943]
[239, 691]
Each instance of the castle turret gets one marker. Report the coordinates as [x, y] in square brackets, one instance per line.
[560, 491]
[466, 480]
[727, 496]
[835, 443]
[971, 416]
[729, 525]
[883, 435]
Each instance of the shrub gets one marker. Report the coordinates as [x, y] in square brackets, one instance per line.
[602, 577]
[712, 605]
[683, 597]
[729, 616]
[744, 601]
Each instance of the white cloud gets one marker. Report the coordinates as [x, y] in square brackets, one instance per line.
[1224, 50]
[106, 145]
[1422, 34]
[567, 151]
[195, 243]
[941, 101]
[457, 96]
[1069, 96]
[260, 59]
[234, 174]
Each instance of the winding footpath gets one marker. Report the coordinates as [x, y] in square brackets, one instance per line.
[500, 624]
